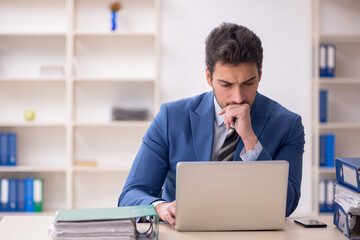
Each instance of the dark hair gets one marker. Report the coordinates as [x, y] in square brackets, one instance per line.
[232, 44]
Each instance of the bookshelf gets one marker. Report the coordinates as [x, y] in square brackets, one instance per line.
[73, 121]
[334, 23]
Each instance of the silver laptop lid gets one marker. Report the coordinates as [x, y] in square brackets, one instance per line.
[212, 196]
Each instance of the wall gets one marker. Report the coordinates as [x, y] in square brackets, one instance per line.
[285, 30]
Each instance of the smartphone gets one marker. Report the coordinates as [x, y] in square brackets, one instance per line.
[310, 223]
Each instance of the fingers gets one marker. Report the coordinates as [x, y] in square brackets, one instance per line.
[167, 211]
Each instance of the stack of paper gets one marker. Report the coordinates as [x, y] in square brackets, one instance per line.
[348, 199]
[103, 223]
[111, 230]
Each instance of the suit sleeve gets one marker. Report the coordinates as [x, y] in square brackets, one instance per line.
[150, 166]
[292, 150]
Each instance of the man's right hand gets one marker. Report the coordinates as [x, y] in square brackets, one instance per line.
[166, 211]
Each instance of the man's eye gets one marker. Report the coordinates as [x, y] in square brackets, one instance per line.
[249, 84]
[225, 85]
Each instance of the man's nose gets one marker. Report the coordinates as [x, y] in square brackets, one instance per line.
[237, 95]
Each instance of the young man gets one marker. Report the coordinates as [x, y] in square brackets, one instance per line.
[231, 123]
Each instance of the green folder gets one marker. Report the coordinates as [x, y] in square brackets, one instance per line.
[38, 194]
[93, 214]
[76, 216]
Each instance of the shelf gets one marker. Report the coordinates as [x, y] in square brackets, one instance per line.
[116, 124]
[326, 170]
[339, 38]
[114, 34]
[31, 124]
[32, 169]
[32, 34]
[338, 81]
[112, 79]
[340, 125]
[34, 79]
[113, 168]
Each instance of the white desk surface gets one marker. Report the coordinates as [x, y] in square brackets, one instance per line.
[36, 228]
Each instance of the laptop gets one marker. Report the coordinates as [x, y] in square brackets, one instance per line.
[222, 196]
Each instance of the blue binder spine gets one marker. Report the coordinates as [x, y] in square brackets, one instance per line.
[12, 149]
[29, 195]
[322, 148]
[322, 60]
[347, 172]
[0, 197]
[4, 194]
[12, 207]
[3, 149]
[21, 195]
[323, 106]
[330, 188]
[330, 150]
[330, 60]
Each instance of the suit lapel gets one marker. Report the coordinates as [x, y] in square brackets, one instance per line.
[259, 118]
[202, 127]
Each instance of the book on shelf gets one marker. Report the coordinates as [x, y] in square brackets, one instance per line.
[123, 114]
[109, 223]
[327, 60]
[326, 195]
[21, 195]
[323, 106]
[8, 149]
[52, 70]
[347, 197]
[327, 150]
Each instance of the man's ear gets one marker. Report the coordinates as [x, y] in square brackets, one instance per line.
[208, 77]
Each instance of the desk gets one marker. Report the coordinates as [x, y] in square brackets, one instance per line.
[35, 228]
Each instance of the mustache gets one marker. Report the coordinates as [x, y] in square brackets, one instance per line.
[235, 103]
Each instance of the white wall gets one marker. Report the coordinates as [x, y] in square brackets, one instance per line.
[285, 30]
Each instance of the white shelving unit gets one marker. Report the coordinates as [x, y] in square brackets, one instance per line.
[334, 21]
[73, 111]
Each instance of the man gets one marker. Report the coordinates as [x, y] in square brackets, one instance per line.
[253, 126]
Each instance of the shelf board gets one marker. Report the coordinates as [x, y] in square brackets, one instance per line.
[114, 124]
[31, 124]
[32, 34]
[34, 79]
[340, 125]
[338, 81]
[113, 79]
[339, 38]
[113, 168]
[32, 169]
[113, 34]
[327, 170]
[43, 213]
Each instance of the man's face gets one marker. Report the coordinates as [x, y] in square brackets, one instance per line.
[234, 84]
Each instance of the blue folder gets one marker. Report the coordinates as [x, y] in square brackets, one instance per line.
[341, 221]
[21, 195]
[12, 207]
[29, 195]
[347, 172]
[12, 152]
[3, 149]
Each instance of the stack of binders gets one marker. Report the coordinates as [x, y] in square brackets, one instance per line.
[21, 195]
[347, 196]
[8, 146]
[105, 223]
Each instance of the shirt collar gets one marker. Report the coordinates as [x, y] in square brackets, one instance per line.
[219, 119]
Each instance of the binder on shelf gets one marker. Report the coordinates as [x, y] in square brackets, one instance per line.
[322, 150]
[4, 201]
[21, 195]
[3, 149]
[327, 150]
[29, 195]
[347, 223]
[115, 222]
[327, 60]
[38, 194]
[12, 195]
[322, 59]
[323, 105]
[326, 195]
[347, 172]
[12, 149]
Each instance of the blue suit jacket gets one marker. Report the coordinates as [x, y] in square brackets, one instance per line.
[183, 131]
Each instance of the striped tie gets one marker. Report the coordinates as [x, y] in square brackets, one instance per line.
[227, 150]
